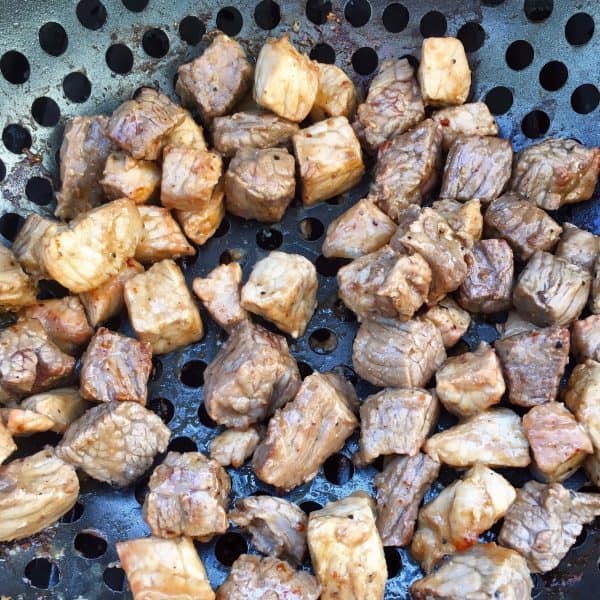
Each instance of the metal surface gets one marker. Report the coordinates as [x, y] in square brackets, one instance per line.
[112, 515]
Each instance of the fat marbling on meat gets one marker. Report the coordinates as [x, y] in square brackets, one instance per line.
[466, 120]
[585, 338]
[17, 289]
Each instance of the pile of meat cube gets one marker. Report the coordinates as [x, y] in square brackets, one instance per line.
[454, 225]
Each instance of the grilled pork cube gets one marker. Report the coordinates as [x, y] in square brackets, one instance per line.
[260, 184]
[419, 151]
[336, 94]
[582, 396]
[94, 247]
[140, 126]
[397, 354]
[126, 177]
[84, 150]
[61, 406]
[277, 527]
[282, 288]
[161, 308]
[346, 550]
[515, 324]
[551, 291]
[493, 437]
[220, 293]
[329, 159]
[200, 225]
[594, 301]
[464, 217]
[217, 80]
[114, 442]
[483, 571]
[468, 120]
[21, 422]
[450, 319]
[36, 491]
[460, 514]
[17, 289]
[187, 134]
[585, 338]
[578, 246]
[7, 444]
[555, 172]
[157, 568]
[393, 105]
[233, 447]
[487, 287]
[306, 431]
[251, 376]
[285, 81]
[544, 522]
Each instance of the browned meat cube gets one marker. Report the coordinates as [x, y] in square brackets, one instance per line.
[585, 338]
[582, 396]
[188, 134]
[450, 319]
[17, 289]
[393, 105]
[578, 246]
[234, 446]
[514, 324]
[396, 354]
[464, 217]
[594, 301]
[556, 172]
[467, 120]
[336, 94]
[260, 184]
[7, 444]
[126, 177]
[140, 126]
[551, 291]
[544, 522]
[217, 79]
[114, 442]
[306, 431]
[200, 225]
[21, 422]
[533, 363]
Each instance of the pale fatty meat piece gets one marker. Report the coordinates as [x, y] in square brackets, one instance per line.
[140, 126]
[17, 289]
[450, 319]
[62, 406]
[393, 105]
[551, 291]
[400, 489]
[200, 225]
[346, 550]
[467, 120]
[126, 177]
[282, 288]
[555, 172]
[391, 353]
[494, 438]
[515, 324]
[306, 431]
[585, 338]
[114, 442]
[83, 152]
[483, 572]
[7, 444]
[594, 301]
[260, 184]
[234, 446]
[21, 422]
[582, 397]
[578, 246]
[94, 247]
[188, 133]
[35, 492]
[533, 363]
[188, 495]
[159, 569]
[251, 376]
[544, 522]
[336, 94]
[464, 217]
[277, 527]
[454, 520]
[285, 81]
[217, 80]
[161, 308]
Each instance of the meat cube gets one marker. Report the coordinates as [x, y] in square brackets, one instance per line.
[251, 376]
[83, 152]
[585, 338]
[400, 489]
[468, 120]
[7, 444]
[360, 230]
[483, 571]
[157, 568]
[306, 431]
[493, 437]
[187, 495]
[582, 396]
[187, 134]
[17, 289]
[255, 577]
[282, 288]
[36, 491]
[419, 151]
[329, 159]
[114, 442]
[544, 522]
[220, 293]
[200, 225]
[62, 406]
[285, 81]
[460, 514]
[140, 126]
[217, 80]
[94, 247]
[444, 74]
[260, 184]
[21, 422]
[450, 319]
[464, 217]
[393, 105]
[336, 94]
[578, 246]
[515, 324]
[126, 177]
[533, 363]
[551, 291]
[161, 308]
[487, 287]
[346, 550]
[233, 447]
[594, 301]
[397, 354]
[277, 527]
[556, 172]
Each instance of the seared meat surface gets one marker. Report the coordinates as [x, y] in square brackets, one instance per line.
[336, 94]
[585, 338]
[7, 444]
[187, 133]
[234, 446]
[16, 288]
[451, 320]
[464, 217]
[578, 246]
[200, 225]
[467, 120]
[126, 177]
[61, 406]
[582, 397]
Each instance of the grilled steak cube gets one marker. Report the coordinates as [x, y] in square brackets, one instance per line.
[234, 446]
[200, 225]
[17, 289]
[467, 120]
[187, 134]
[451, 320]
[464, 217]
[585, 338]
[126, 177]
[336, 94]
[578, 246]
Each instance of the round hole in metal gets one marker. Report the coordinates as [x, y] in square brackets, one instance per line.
[191, 30]
[535, 124]
[472, 36]
[141, 490]
[90, 544]
[585, 98]
[395, 17]
[2, 170]
[317, 11]
[357, 12]
[114, 578]
[91, 14]
[267, 14]
[579, 29]
[182, 444]
[499, 100]
[323, 53]
[338, 469]
[269, 238]
[77, 87]
[42, 573]
[74, 514]
[305, 369]
[311, 229]
[553, 75]
[538, 10]
[14, 67]
[229, 547]
[379, 463]
[51, 289]
[365, 60]
[329, 267]
[229, 20]
[309, 506]
[322, 341]
[157, 369]
[39, 191]
[205, 418]
[119, 59]
[163, 408]
[155, 43]
[53, 38]
[433, 24]
[519, 55]
[192, 373]
[16, 138]
[45, 111]
[114, 323]
[10, 224]
[135, 5]
[393, 560]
